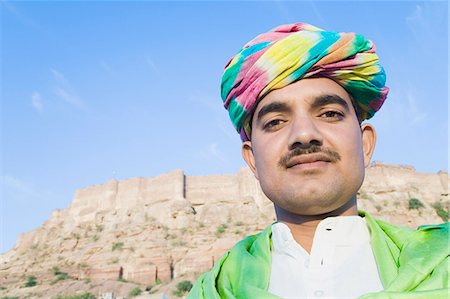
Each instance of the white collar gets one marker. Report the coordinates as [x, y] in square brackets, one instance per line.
[342, 228]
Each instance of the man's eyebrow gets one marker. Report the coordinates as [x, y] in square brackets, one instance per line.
[328, 99]
[272, 107]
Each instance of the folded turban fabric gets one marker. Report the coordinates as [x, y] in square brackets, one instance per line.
[292, 52]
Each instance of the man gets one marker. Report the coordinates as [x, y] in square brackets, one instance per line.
[298, 95]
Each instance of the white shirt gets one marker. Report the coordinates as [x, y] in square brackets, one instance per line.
[341, 263]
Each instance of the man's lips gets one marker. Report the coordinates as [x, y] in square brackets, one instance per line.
[307, 159]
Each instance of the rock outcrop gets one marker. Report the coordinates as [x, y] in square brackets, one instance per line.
[151, 231]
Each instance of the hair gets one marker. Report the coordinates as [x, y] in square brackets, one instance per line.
[356, 108]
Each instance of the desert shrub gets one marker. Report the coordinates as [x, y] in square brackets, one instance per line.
[443, 214]
[85, 295]
[63, 275]
[59, 275]
[55, 270]
[31, 281]
[415, 204]
[440, 211]
[99, 228]
[135, 292]
[170, 236]
[221, 229]
[117, 246]
[8, 297]
[182, 288]
[179, 243]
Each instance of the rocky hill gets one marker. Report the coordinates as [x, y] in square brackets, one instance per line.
[154, 232]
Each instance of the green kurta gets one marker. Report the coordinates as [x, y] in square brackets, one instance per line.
[411, 264]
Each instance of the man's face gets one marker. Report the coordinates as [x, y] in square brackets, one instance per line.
[307, 148]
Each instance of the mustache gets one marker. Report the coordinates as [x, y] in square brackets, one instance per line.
[332, 155]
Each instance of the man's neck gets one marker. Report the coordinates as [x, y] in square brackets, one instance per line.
[303, 227]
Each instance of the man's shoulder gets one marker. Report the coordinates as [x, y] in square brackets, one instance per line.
[402, 235]
[248, 263]
[390, 228]
[254, 244]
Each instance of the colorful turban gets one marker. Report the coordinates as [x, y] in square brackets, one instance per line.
[292, 52]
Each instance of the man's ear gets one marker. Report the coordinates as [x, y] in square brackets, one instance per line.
[368, 142]
[247, 154]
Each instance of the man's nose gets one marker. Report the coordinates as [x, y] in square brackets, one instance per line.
[304, 133]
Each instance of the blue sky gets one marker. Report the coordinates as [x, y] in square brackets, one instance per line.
[92, 91]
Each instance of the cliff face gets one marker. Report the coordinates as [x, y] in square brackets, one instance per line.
[154, 230]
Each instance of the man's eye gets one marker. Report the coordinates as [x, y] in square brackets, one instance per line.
[273, 123]
[333, 114]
